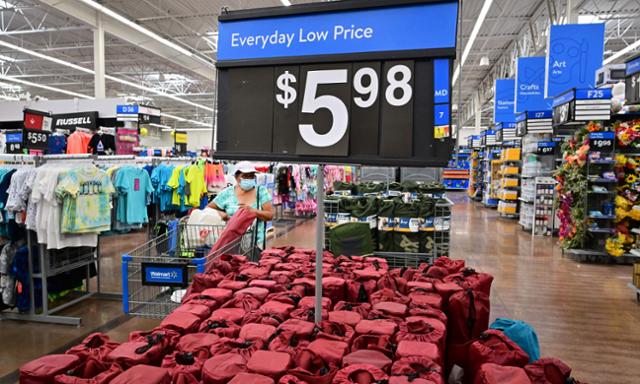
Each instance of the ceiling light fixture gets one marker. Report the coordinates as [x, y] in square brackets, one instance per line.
[53, 89]
[9, 98]
[137, 27]
[286, 3]
[182, 119]
[622, 52]
[112, 78]
[160, 126]
[484, 61]
[7, 58]
[472, 38]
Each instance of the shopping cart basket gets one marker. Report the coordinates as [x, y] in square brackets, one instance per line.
[156, 274]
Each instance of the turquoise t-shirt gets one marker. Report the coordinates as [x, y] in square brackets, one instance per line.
[134, 188]
[228, 202]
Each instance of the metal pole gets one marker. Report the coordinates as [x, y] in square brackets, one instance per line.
[319, 241]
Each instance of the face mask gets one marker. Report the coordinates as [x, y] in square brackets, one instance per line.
[247, 184]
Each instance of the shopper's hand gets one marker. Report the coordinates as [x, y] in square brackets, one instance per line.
[247, 207]
[224, 215]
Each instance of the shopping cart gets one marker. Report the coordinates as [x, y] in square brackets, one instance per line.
[156, 274]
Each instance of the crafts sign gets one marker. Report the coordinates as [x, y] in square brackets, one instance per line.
[363, 82]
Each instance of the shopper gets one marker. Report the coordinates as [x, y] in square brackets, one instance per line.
[246, 194]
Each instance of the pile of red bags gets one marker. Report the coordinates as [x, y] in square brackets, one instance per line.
[253, 323]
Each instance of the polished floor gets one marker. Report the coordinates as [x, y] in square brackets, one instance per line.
[584, 313]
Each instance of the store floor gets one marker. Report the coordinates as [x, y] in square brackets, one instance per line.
[584, 313]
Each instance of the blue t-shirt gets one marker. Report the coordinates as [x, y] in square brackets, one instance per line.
[163, 193]
[57, 144]
[228, 202]
[134, 191]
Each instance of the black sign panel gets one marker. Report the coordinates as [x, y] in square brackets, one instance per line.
[499, 135]
[562, 114]
[13, 140]
[70, 121]
[546, 148]
[35, 139]
[632, 88]
[601, 141]
[521, 128]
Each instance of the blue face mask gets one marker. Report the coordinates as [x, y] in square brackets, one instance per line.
[247, 184]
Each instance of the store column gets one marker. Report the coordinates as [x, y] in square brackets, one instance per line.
[98, 58]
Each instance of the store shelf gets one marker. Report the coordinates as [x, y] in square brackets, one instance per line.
[601, 230]
[602, 180]
[603, 217]
[636, 231]
[602, 161]
[602, 193]
[525, 200]
[635, 252]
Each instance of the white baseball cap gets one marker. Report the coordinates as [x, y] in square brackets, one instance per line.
[245, 167]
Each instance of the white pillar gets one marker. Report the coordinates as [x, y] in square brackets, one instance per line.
[572, 14]
[98, 58]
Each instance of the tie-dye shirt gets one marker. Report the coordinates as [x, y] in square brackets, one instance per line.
[86, 200]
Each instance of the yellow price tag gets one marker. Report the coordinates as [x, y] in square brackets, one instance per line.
[441, 132]
[181, 138]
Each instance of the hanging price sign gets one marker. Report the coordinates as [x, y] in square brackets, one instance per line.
[632, 84]
[601, 141]
[13, 139]
[35, 139]
[347, 82]
[546, 148]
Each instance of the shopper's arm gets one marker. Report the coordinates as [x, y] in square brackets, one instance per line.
[221, 211]
[266, 213]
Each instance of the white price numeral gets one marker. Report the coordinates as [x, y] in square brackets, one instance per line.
[371, 89]
[402, 83]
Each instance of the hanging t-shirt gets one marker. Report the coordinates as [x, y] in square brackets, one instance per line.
[86, 200]
[102, 144]
[194, 176]
[178, 184]
[78, 142]
[134, 191]
[56, 144]
[163, 194]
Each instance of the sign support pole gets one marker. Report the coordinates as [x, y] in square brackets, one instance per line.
[319, 240]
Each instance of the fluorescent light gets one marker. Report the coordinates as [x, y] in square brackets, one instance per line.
[622, 52]
[160, 126]
[7, 58]
[182, 119]
[286, 3]
[112, 78]
[9, 98]
[472, 38]
[137, 27]
[53, 89]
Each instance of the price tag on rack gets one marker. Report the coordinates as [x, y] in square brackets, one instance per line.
[13, 140]
[601, 141]
[35, 139]
[546, 148]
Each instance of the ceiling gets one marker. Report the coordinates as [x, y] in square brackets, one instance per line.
[48, 28]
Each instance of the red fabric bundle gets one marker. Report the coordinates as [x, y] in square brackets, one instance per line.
[96, 345]
[269, 363]
[360, 374]
[45, 368]
[548, 371]
[221, 328]
[345, 317]
[452, 266]
[91, 372]
[418, 368]
[423, 329]
[236, 228]
[493, 346]
[183, 362]
[302, 328]
[468, 316]
[367, 356]
[201, 310]
[250, 378]
[223, 367]
[376, 327]
[234, 315]
[143, 374]
[496, 374]
[469, 278]
[197, 344]
[256, 331]
[242, 347]
[182, 322]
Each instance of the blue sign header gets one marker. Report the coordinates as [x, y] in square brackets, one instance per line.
[546, 144]
[503, 124]
[574, 55]
[441, 81]
[129, 109]
[593, 94]
[521, 117]
[366, 30]
[504, 103]
[633, 66]
[564, 98]
[532, 115]
[13, 137]
[601, 135]
[530, 85]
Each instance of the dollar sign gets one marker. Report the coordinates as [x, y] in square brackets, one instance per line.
[289, 94]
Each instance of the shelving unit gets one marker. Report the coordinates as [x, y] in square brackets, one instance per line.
[475, 172]
[456, 176]
[490, 169]
[510, 180]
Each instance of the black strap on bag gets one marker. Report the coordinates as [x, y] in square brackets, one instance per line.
[152, 340]
[277, 333]
[471, 320]
[185, 358]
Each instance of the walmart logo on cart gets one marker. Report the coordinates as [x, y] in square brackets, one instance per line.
[339, 32]
[164, 275]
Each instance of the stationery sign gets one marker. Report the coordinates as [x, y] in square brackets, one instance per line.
[504, 100]
[574, 55]
[360, 82]
[530, 85]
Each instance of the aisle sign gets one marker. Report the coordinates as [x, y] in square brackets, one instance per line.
[546, 147]
[632, 81]
[504, 100]
[347, 82]
[180, 138]
[575, 54]
[530, 85]
[601, 141]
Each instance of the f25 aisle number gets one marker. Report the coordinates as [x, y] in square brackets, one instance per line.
[366, 84]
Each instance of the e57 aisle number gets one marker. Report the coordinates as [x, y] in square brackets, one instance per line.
[366, 86]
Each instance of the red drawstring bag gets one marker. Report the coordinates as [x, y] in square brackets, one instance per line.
[221, 328]
[261, 317]
[431, 313]
[197, 344]
[287, 297]
[269, 363]
[376, 327]
[391, 308]
[548, 371]
[181, 322]
[256, 331]
[282, 278]
[334, 288]
[251, 378]
[143, 374]
[375, 342]
[368, 356]
[388, 295]
[277, 308]
[469, 278]
[423, 286]
[301, 328]
[285, 341]
[200, 299]
[345, 317]
[446, 289]
[360, 374]
[310, 302]
[392, 282]
[234, 315]
[334, 331]
[304, 286]
[242, 347]
[423, 329]
[331, 351]
[45, 368]
[246, 302]
[358, 291]
[452, 266]
[361, 308]
[418, 368]
[221, 295]
[468, 316]
[308, 314]
[183, 362]
[313, 368]
[202, 281]
[425, 299]
[429, 351]
[148, 349]
[221, 368]
[277, 252]
[257, 292]
[493, 346]
[233, 285]
[291, 379]
[91, 372]
[497, 374]
[318, 375]
[96, 345]
[253, 271]
[269, 285]
[201, 310]
[236, 228]
[184, 378]
[432, 271]
[226, 263]
[405, 380]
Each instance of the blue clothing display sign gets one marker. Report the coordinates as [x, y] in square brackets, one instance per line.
[530, 85]
[441, 80]
[504, 100]
[347, 31]
[574, 54]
